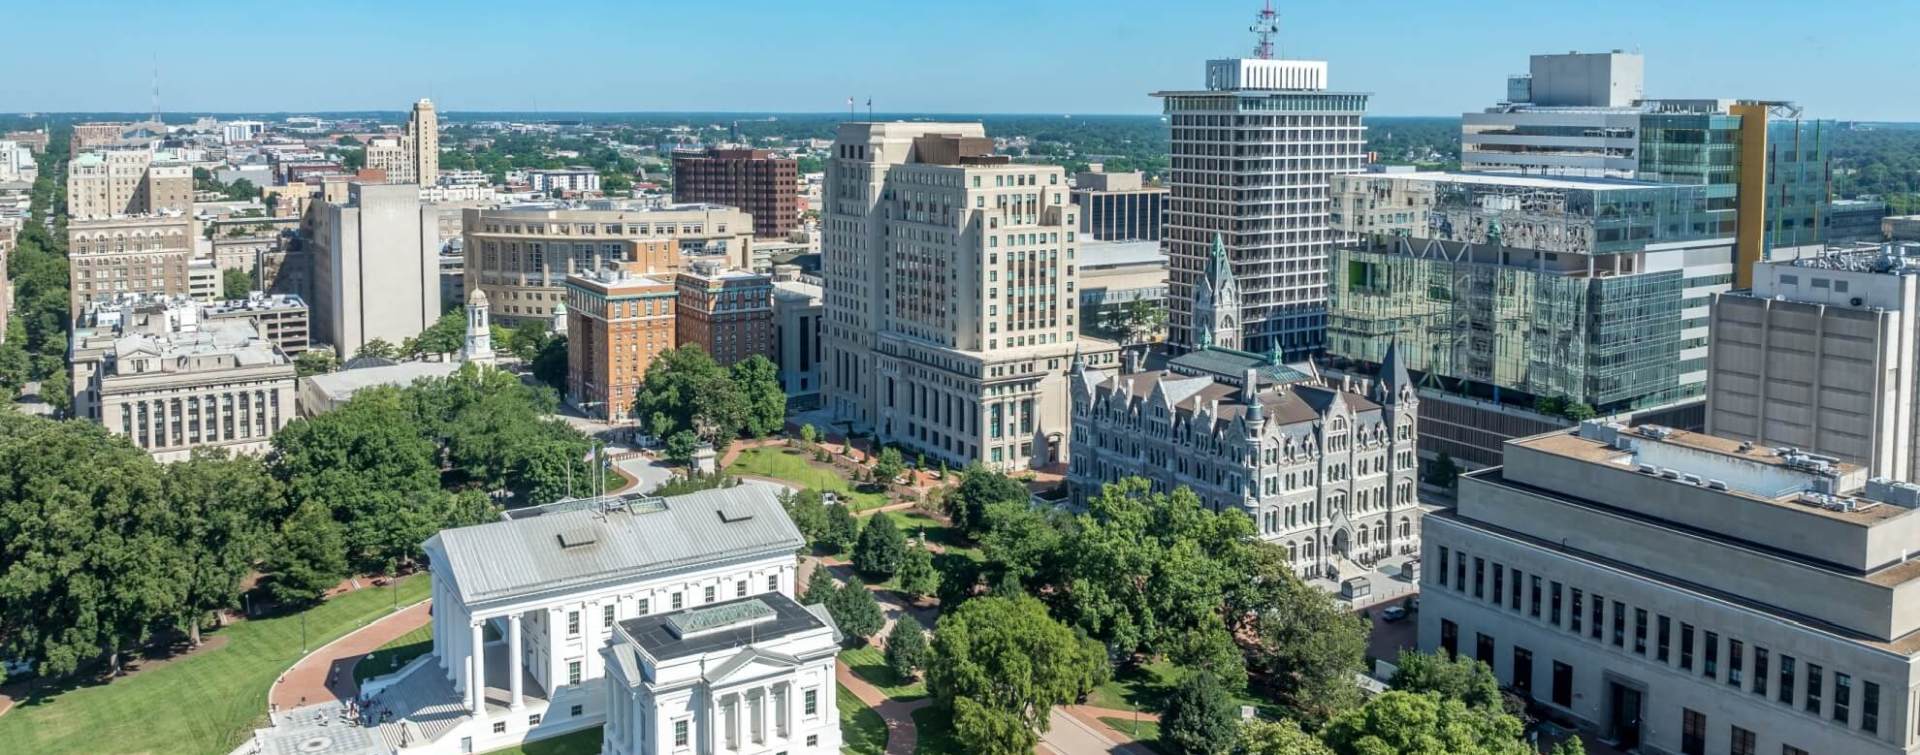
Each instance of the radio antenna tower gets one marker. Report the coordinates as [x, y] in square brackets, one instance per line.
[156, 87]
[1265, 25]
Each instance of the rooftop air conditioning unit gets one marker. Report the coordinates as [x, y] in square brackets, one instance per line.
[1649, 469]
[1717, 484]
[1691, 478]
[1671, 474]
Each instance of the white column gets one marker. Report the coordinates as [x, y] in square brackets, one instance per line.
[513, 660]
[477, 675]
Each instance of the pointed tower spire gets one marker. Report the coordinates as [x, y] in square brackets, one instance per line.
[1216, 307]
[1393, 375]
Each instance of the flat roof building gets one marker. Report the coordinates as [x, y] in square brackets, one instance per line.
[142, 254]
[376, 268]
[1119, 206]
[1821, 355]
[729, 313]
[1683, 592]
[754, 180]
[617, 323]
[157, 371]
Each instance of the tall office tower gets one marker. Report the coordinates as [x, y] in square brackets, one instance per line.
[376, 268]
[1587, 115]
[1820, 355]
[951, 306]
[1118, 206]
[750, 179]
[392, 157]
[128, 255]
[1251, 157]
[423, 143]
[118, 182]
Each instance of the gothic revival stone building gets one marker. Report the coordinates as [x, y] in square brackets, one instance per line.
[1326, 471]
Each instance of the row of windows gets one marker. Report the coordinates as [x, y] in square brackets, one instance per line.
[1593, 616]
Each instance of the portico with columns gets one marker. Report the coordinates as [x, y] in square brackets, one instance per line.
[525, 605]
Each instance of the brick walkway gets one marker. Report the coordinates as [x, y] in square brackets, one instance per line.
[902, 735]
[306, 682]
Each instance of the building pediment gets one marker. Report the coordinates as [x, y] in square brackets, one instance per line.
[750, 663]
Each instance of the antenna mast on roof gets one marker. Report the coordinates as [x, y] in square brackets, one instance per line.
[1265, 25]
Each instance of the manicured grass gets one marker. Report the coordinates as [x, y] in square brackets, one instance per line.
[934, 727]
[1146, 687]
[583, 742]
[1144, 732]
[862, 731]
[913, 522]
[390, 657]
[870, 663]
[795, 466]
[204, 703]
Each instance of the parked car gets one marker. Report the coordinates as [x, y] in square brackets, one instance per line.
[1393, 613]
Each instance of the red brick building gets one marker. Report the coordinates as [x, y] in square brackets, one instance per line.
[728, 312]
[750, 179]
[617, 322]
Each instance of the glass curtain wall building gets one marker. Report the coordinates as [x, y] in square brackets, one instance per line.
[1569, 288]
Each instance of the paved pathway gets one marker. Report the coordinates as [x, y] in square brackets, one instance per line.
[1069, 735]
[902, 735]
[306, 683]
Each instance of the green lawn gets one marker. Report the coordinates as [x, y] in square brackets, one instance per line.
[935, 730]
[583, 742]
[862, 731]
[204, 703]
[1147, 687]
[1144, 732]
[391, 656]
[793, 465]
[870, 664]
[913, 522]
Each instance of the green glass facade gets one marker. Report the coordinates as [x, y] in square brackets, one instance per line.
[1704, 150]
[1537, 290]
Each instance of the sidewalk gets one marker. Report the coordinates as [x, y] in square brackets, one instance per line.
[306, 683]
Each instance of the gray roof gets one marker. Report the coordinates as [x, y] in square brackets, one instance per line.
[1095, 253]
[762, 617]
[1230, 363]
[337, 386]
[570, 550]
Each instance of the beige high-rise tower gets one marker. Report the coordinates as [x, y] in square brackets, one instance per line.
[423, 143]
[951, 309]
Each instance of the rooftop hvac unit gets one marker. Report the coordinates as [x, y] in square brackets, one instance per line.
[1717, 484]
[1690, 478]
[1671, 474]
[1649, 469]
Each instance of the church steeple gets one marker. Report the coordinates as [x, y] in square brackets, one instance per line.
[1393, 382]
[1216, 302]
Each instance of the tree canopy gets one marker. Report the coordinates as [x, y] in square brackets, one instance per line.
[1000, 664]
[1200, 718]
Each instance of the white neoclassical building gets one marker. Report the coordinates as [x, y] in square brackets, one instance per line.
[750, 675]
[529, 604]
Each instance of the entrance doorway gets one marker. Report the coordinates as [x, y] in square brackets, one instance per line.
[1523, 672]
[1626, 716]
[1340, 543]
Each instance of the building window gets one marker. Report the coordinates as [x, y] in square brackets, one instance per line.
[1870, 707]
[1742, 742]
[1533, 596]
[1562, 685]
[1513, 601]
[606, 615]
[1693, 732]
[1480, 577]
[709, 593]
[1686, 646]
[1573, 616]
[810, 703]
[1619, 624]
[741, 588]
[1640, 631]
[1786, 679]
[644, 606]
[1450, 637]
[1499, 584]
[573, 672]
[1553, 606]
[1814, 681]
[1660, 639]
[499, 727]
[1736, 659]
[680, 734]
[573, 623]
[678, 601]
[1599, 615]
[773, 583]
[1445, 556]
[1842, 698]
[533, 720]
[1759, 670]
[1710, 668]
[575, 710]
[813, 740]
[1483, 649]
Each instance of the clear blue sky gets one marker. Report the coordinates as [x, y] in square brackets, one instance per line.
[1850, 59]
